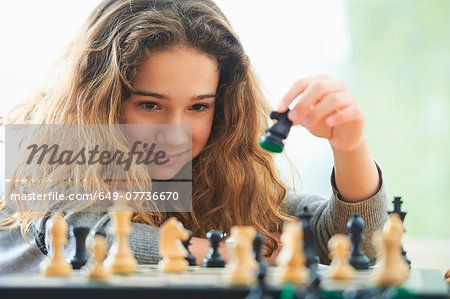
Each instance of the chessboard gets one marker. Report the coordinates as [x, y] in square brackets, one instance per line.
[199, 282]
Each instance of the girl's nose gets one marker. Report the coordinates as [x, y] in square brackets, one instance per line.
[172, 135]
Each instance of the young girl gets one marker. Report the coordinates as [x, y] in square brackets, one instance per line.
[179, 62]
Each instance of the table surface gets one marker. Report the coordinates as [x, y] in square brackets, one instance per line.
[199, 282]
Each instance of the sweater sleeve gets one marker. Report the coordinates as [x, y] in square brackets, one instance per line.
[330, 216]
[143, 238]
[20, 256]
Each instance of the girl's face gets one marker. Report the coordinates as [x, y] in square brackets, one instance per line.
[175, 86]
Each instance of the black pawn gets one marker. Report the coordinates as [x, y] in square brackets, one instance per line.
[214, 259]
[309, 239]
[398, 209]
[79, 258]
[355, 228]
[273, 140]
[190, 258]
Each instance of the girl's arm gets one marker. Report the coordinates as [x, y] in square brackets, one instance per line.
[355, 173]
[328, 110]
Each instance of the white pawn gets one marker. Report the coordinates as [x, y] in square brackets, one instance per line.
[292, 259]
[120, 258]
[392, 268]
[56, 264]
[171, 248]
[242, 266]
[340, 269]
[96, 268]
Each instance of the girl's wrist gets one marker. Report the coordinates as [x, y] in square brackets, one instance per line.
[356, 174]
[361, 145]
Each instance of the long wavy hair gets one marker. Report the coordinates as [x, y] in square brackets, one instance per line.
[234, 182]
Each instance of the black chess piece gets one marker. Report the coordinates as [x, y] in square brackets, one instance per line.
[257, 247]
[190, 258]
[309, 239]
[371, 293]
[273, 140]
[79, 257]
[312, 290]
[214, 259]
[398, 209]
[355, 229]
[260, 291]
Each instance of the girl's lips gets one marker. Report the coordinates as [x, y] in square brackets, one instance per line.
[175, 155]
[167, 155]
[173, 159]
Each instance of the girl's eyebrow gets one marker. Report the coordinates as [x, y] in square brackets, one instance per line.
[165, 97]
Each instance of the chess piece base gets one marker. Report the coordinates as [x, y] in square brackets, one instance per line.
[217, 263]
[191, 260]
[241, 279]
[341, 272]
[56, 268]
[99, 273]
[121, 265]
[173, 265]
[391, 277]
[359, 262]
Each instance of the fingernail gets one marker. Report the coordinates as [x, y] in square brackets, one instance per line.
[331, 120]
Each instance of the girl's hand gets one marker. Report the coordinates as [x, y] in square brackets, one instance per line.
[327, 109]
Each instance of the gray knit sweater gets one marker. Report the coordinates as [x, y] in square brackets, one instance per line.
[330, 216]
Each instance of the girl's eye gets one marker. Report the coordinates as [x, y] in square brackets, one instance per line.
[199, 107]
[148, 105]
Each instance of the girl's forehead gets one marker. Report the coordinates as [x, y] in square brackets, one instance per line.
[178, 52]
[187, 67]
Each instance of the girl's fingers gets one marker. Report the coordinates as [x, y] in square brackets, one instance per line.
[296, 89]
[351, 113]
[329, 105]
[313, 93]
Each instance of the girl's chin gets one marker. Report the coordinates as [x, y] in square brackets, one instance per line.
[163, 175]
[162, 178]
[164, 172]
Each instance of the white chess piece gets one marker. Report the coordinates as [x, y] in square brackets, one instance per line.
[170, 247]
[291, 260]
[120, 258]
[98, 270]
[56, 264]
[392, 268]
[242, 266]
[340, 269]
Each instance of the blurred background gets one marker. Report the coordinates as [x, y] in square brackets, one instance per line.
[392, 54]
